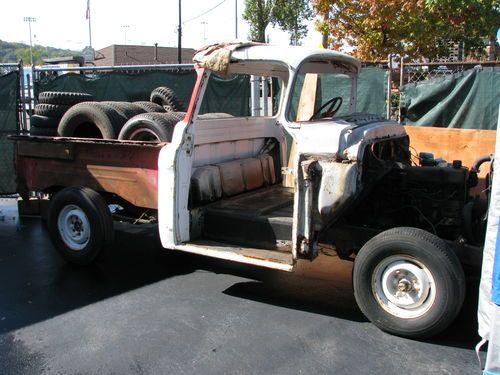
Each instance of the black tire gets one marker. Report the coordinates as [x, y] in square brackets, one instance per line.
[39, 121]
[51, 110]
[151, 107]
[214, 115]
[64, 98]
[395, 266]
[167, 99]
[152, 127]
[80, 224]
[126, 109]
[46, 132]
[91, 120]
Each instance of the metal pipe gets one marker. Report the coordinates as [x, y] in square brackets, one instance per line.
[255, 95]
[389, 86]
[236, 19]
[401, 82]
[117, 67]
[179, 36]
[24, 126]
[29, 97]
[9, 65]
[265, 95]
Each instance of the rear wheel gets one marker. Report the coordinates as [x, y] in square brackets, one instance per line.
[408, 282]
[80, 224]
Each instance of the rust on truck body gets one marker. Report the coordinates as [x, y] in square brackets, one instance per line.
[120, 167]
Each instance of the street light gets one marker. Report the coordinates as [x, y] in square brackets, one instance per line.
[125, 27]
[29, 20]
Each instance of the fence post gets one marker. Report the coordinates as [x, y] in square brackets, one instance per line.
[389, 85]
[401, 83]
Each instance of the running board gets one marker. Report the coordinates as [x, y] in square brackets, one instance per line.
[278, 260]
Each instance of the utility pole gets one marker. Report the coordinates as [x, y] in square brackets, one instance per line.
[29, 20]
[236, 19]
[204, 23]
[179, 36]
[87, 17]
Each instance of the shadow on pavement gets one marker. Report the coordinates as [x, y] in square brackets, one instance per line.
[36, 285]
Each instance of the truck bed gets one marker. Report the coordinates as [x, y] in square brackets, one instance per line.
[126, 168]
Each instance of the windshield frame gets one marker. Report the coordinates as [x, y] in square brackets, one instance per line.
[337, 67]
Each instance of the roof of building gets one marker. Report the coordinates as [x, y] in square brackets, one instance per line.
[118, 54]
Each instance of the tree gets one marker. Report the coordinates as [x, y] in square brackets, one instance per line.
[289, 15]
[415, 28]
[258, 13]
[23, 53]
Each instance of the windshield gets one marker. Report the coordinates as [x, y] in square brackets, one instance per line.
[320, 91]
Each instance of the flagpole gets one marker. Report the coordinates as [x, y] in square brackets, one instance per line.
[90, 28]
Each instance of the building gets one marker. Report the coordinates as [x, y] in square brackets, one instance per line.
[141, 55]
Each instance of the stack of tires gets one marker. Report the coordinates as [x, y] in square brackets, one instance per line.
[156, 126]
[76, 115]
[51, 108]
[102, 120]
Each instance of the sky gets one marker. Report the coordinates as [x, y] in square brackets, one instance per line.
[62, 23]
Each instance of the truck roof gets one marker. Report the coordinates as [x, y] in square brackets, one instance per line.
[291, 55]
[232, 57]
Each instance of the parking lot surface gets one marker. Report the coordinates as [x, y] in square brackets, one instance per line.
[144, 310]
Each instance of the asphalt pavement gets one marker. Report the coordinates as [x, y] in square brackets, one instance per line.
[145, 310]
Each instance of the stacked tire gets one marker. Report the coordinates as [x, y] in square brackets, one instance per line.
[166, 98]
[51, 108]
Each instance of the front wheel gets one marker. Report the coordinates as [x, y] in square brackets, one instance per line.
[408, 282]
[80, 224]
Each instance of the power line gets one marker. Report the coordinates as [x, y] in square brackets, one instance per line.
[205, 12]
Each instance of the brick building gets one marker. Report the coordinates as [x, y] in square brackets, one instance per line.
[141, 55]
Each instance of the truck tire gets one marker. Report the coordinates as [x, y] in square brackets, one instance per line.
[51, 110]
[80, 224]
[127, 110]
[64, 98]
[167, 99]
[152, 127]
[408, 282]
[151, 107]
[91, 120]
[40, 121]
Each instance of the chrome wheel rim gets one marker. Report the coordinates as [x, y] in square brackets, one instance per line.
[403, 286]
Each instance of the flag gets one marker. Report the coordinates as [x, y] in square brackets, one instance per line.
[87, 14]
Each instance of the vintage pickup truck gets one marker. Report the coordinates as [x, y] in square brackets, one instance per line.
[305, 170]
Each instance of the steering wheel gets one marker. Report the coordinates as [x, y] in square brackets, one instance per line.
[334, 103]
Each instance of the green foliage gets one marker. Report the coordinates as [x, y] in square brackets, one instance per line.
[258, 14]
[13, 52]
[289, 15]
[415, 28]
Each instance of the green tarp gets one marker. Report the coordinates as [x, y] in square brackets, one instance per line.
[229, 95]
[466, 100]
[371, 91]
[118, 86]
[8, 125]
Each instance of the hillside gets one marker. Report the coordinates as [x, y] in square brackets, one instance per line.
[13, 52]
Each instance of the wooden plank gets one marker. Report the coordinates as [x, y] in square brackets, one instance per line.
[453, 144]
[307, 97]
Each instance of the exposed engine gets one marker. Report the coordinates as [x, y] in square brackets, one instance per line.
[433, 195]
